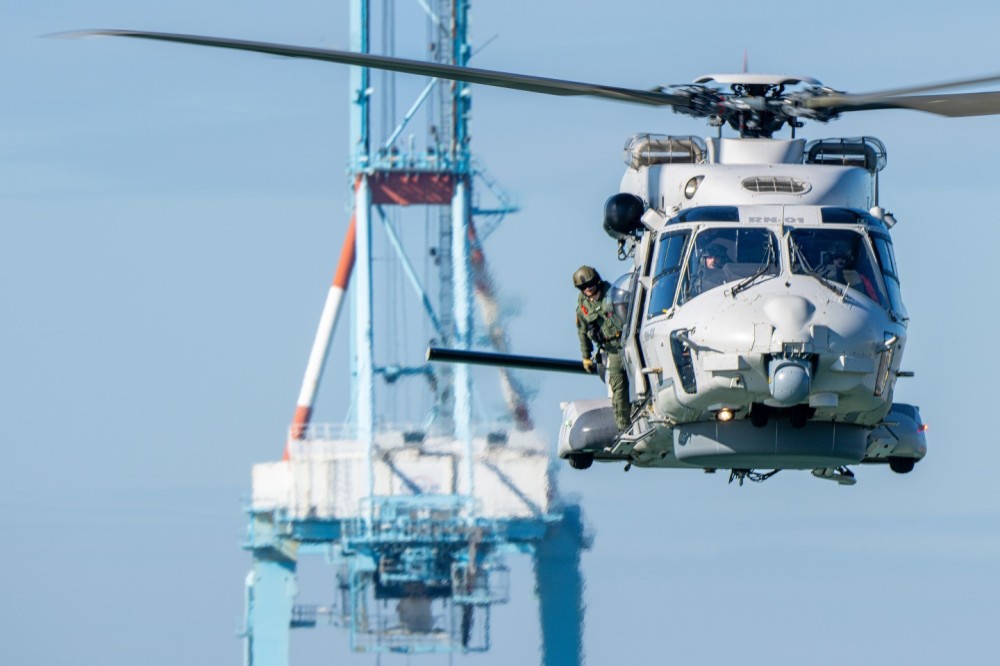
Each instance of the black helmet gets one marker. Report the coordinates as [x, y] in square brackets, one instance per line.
[840, 250]
[586, 276]
[715, 249]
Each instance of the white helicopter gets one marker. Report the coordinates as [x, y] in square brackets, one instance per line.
[763, 323]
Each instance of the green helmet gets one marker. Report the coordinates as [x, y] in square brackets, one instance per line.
[586, 276]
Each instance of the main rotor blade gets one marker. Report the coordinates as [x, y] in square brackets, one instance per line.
[928, 87]
[891, 99]
[535, 84]
[953, 106]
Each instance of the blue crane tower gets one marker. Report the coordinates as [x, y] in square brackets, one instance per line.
[415, 520]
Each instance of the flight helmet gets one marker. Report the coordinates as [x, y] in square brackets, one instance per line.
[586, 276]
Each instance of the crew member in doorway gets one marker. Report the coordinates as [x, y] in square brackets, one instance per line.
[598, 326]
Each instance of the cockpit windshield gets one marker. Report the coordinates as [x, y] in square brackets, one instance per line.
[839, 256]
[729, 255]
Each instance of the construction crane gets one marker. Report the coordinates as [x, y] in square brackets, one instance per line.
[414, 520]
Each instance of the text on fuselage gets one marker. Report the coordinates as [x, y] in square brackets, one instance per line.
[775, 220]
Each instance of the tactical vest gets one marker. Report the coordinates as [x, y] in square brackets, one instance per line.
[604, 326]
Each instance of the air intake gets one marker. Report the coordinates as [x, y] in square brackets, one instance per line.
[776, 185]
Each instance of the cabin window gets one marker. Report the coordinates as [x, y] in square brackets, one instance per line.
[725, 256]
[839, 256]
[621, 295]
[669, 260]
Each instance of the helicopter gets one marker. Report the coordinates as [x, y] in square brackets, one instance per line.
[763, 323]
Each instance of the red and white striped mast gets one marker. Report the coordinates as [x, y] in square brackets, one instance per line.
[324, 335]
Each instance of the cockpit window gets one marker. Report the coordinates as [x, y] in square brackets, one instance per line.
[669, 260]
[724, 256]
[846, 216]
[709, 214]
[838, 255]
[890, 274]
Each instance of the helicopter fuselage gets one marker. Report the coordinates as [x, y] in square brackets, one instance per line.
[763, 320]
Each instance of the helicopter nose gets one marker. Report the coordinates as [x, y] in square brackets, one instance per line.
[789, 313]
[790, 379]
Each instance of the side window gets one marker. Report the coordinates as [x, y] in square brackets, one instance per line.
[621, 294]
[669, 256]
[890, 274]
[886, 258]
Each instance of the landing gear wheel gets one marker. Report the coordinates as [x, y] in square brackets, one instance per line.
[759, 415]
[580, 460]
[799, 416]
[901, 465]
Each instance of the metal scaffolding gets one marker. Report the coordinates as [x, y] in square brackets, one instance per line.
[414, 520]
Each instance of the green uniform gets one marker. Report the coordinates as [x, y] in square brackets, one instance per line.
[598, 325]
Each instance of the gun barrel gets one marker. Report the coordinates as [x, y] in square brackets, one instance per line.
[442, 355]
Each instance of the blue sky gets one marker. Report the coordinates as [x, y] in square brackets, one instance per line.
[170, 220]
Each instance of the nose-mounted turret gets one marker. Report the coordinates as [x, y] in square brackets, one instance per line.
[789, 375]
[790, 380]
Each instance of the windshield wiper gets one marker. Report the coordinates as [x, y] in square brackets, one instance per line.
[764, 267]
[797, 257]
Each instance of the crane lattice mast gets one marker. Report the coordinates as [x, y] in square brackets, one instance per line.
[415, 520]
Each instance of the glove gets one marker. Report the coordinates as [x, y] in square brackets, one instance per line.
[588, 365]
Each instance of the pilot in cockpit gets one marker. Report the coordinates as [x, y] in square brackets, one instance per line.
[841, 269]
[714, 270]
[834, 270]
